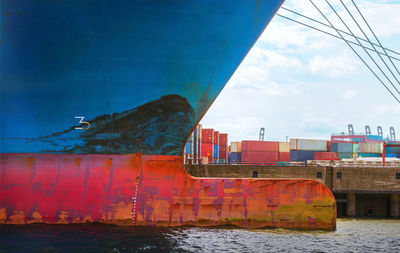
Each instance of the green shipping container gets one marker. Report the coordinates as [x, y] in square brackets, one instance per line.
[369, 155]
[344, 155]
[355, 147]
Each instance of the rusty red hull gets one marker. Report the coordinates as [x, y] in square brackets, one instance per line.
[152, 190]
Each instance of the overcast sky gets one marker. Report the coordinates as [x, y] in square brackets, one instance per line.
[298, 82]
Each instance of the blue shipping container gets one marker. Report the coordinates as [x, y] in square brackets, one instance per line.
[216, 151]
[301, 155]
[342, 147]
[392, 155]
[188, 148]
[395, 150]
[235, 157]
[374, 137]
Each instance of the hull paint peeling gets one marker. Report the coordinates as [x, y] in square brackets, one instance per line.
[152, 190]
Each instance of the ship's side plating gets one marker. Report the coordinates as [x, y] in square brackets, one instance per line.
[98, 99]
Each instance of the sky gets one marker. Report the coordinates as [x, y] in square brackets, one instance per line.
[300, 83]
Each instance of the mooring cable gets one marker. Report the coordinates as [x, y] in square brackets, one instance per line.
[321, 23]
[384, 62]
[384, 50]
[373, 72]
[372, 59]
[335, 36]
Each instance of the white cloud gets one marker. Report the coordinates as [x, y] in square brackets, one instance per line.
[333, 66]
[349, 94]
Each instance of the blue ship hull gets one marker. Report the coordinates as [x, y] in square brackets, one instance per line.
[141, 73]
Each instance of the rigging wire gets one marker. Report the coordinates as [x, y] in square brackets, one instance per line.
[351, 15]
[362, 16]
[356, 53]
[373, 60]
[333, 35]
[321, 23]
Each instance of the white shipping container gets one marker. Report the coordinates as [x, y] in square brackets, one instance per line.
[284, 146]
[308, 144]
[236, 147]
[369, 148]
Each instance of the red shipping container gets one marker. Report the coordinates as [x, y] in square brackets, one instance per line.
[207, 135]
[207, 149]
[259, 156]
[325, 156]
[271, 146]
[216, 138]
[328, 146]
[284, 156]
[223, 152]
[223, 140]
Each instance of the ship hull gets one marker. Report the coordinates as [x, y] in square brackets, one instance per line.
[98, 99]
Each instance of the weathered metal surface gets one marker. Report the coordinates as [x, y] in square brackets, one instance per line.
[148, 190]
[87, 87]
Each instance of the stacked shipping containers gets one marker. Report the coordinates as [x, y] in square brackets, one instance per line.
[260, 151]
[284, 151]
[235, 152]
[223, 148]
[305, 149]
[216, 147]
[207, 145]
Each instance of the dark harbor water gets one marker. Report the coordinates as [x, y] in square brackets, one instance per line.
[352, 235]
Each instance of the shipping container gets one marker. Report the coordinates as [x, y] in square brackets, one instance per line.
[392, 155]
[344, 155]
[374, 137]
[329, 156]
[279, 163]
[308, 144]
[223, 153]
[235, 157]
[216, 138]
[207, 135]
[369, 155]
[301, 155]
[328, 146]
[355, 147]
[259, 156]
[369, 148]
[207, 149]
[342, 147]
[222, 161]
[216, 152]
[284, 156]
[236, 147]
[395, 150]
[271, 146]
[284, 147]
[223, 140]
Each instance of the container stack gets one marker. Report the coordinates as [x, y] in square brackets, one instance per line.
[235, 152]
[369, 149]
[284, 152]
[216, 147]
[223, 148]
[305, 149]
[260, 151]
[392, 151]
[344, 150]
[207, 145]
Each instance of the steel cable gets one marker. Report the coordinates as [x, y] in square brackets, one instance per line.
[365, 63]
